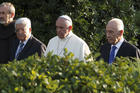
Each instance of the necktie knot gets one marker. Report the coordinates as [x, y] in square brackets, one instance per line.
[114, 47]
[21, 45]
[112, 54]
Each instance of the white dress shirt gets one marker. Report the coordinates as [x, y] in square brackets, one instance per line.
[72, 42]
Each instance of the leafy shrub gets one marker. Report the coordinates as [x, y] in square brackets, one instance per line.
[66, 75]
[54, 74]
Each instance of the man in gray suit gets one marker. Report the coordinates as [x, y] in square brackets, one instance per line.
[25, 44]
[117, 46]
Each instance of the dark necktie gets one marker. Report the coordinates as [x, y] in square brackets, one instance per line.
[112, 54]
[20, 49]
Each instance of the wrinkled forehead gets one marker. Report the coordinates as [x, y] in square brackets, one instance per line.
[61, 21]
[3, 8]
[20, 25]
[113, 25]
[116, 24]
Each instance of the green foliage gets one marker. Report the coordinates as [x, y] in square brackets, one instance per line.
[54, 74]
[137, 21]
[89, 17]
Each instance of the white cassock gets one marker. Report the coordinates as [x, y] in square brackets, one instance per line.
[73, 44]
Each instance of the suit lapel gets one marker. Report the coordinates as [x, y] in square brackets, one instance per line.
[15, 46]
[26, 47]
[108, 51]
[121, 49]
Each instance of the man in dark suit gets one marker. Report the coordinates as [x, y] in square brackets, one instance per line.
[117, 46]
[25, 44]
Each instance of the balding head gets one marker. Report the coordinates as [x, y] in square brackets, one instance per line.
[116, 24]
[114, 30]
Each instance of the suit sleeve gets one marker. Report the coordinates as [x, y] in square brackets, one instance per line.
[42, 50]
[138, 53]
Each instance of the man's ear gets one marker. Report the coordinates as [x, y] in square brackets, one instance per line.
[30, 30]
[12, 15]
[121, 32]
[70, 27]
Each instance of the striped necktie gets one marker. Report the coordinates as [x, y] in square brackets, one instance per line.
[20, 49]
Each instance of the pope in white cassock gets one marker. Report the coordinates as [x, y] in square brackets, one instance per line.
[67, 39]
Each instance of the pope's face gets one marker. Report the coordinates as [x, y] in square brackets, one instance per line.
[62, 29]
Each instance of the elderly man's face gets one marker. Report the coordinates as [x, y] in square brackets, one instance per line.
[4, 15]
[61, 28]
[22, 32]
[112, 34]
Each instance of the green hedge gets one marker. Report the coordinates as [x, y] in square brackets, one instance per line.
[89, 17]
[53, 74]
[65, 75]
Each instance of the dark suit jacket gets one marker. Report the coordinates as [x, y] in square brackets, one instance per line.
[32, 46]
[126, 50]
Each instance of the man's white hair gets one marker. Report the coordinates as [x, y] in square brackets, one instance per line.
[118, 23]
[24, 20]
[67, 18]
